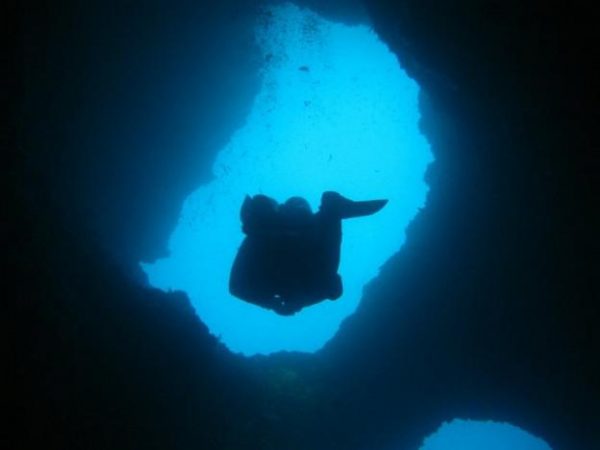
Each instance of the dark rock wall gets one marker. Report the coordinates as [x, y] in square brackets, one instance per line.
[487, 312]
[124, 105]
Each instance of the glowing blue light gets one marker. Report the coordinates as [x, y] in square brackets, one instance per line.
[475, 435]
[335, 112]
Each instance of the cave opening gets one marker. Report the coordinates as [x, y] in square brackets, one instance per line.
[335, 111]
[475, 435]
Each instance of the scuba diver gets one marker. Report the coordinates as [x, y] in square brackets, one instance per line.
[290, 256]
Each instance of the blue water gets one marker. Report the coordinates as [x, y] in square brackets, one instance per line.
[479, 435]
[335, 112]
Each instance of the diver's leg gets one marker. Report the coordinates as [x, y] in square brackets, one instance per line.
[328, 240]
[334, 287]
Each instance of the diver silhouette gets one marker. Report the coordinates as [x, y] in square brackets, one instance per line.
[290, 256]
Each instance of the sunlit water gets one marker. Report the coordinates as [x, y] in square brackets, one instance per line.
[335, 112]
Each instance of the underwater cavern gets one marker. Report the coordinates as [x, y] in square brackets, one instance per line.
[469, 316]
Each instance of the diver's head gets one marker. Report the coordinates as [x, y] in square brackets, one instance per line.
[296, 209]
[257, 212]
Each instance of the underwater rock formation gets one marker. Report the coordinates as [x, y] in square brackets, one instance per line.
[489, 311]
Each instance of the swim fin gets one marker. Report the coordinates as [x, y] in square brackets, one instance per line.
[358, 209]
[346, 208]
